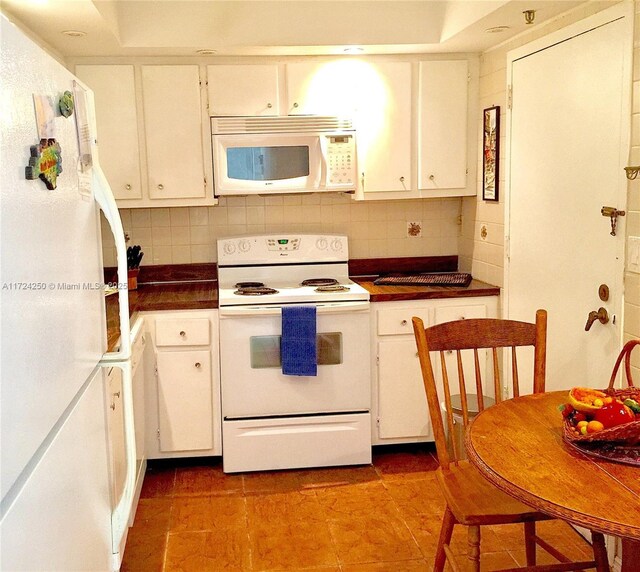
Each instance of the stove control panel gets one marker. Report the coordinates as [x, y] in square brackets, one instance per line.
[282, 248]
[280, 244]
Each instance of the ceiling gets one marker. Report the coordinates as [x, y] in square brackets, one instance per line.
[277, 27]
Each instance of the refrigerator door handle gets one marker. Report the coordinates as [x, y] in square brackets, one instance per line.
[107, 203]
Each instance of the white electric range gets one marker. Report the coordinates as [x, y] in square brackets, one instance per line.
[277, 421]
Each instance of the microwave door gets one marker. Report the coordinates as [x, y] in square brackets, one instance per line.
[246, 164]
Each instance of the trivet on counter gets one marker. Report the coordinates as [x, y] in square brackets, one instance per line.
[431, 279]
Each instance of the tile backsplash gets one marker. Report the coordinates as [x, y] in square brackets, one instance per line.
[376, 229]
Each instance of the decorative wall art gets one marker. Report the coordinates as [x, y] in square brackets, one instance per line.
[490, 153]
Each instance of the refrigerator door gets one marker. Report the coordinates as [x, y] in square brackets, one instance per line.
[60, 519]
[51, 278]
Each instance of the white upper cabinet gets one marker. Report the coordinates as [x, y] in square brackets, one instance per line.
[243, 89]
[383, 123]
[443, 125]
[173, 131]
[377, 96]
[117, 122]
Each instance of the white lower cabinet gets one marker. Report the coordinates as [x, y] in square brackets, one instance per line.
[183, 397]
[400, 412]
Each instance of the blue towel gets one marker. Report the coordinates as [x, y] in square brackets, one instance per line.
[298, 345]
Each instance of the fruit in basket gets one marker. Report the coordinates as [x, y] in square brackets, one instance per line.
[594, 426]
[614, 413]
[586, 399]
[633, 405]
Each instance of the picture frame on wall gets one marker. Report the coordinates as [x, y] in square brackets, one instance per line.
[490, 153]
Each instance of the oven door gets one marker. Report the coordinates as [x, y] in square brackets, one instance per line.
[253, 384]
[274, 163]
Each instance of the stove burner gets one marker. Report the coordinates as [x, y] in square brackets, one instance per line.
[319, 282]
[332, 288]
[255, 291]
[249, 285]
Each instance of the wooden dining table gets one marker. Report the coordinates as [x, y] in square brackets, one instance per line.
[518, 446]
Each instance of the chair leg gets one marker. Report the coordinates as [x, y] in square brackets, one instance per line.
[473, 542]
[530, 542]
[599, 552]
[448, 520]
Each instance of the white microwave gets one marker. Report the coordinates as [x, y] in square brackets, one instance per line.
[292, 154]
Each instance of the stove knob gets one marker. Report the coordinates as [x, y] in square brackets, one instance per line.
[244, 246]
[336, 244]
[229, 248]
[322, 243]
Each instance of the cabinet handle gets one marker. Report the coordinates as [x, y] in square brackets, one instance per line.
[269, 105]
[128, 187]
[160, 187]
[112, 406]
[183, 334]
[417, 354]
[116, 394]
[403, 323]
[198, 365]
[402, 179]
[295, 106]
[431, 177]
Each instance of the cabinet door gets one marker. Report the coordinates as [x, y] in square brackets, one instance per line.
[442, 145]
[465, 312]
[322, 88]
[243, 89]
[185, 400]
[383, 123]
[173, 131]
[115, 425]
[402, 402]
[117, 121]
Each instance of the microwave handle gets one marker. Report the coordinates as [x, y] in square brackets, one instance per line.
[324, 168]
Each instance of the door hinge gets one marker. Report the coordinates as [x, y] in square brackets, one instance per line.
[155, 370]
[377, 360]
[507, 247]
[158, 434]
[510, 97]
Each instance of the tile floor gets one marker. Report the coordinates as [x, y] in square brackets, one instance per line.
[383, 517]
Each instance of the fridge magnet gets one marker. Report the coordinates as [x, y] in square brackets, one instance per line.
[45, 163]
[65, 105]
[490, 153]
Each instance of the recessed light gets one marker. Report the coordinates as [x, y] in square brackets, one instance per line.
[206, 52]
[497, 29]
[74, 33]
[353, 50]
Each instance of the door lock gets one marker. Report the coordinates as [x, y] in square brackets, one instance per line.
[601, 315]
[613, 213]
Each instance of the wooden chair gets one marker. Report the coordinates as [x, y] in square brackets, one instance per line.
[471, 500]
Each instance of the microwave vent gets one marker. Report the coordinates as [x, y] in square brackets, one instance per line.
[288, 124]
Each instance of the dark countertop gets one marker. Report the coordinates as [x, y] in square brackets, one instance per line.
[195, 287]
[395, 293]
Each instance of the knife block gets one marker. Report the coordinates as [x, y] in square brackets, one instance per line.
[132, 278]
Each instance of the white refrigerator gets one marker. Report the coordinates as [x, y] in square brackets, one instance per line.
[57, 510]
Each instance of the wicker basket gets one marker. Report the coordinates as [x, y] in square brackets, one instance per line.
[627, 433]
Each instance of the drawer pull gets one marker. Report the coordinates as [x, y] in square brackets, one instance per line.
[403, 323]
[112, 406]
[198, 365]
[116, 394]
[183, 334]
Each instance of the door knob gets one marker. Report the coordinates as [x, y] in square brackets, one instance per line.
[601, 315]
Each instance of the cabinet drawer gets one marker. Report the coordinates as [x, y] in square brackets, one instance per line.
[395, 321]
[462, 312]
[183, 332]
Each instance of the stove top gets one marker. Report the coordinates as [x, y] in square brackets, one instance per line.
[285, 269]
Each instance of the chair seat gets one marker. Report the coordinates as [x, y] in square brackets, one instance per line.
[473, 500]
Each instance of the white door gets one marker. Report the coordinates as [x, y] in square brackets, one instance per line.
[569, 128]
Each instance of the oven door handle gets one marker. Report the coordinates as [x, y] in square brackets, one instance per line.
[327, 308]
